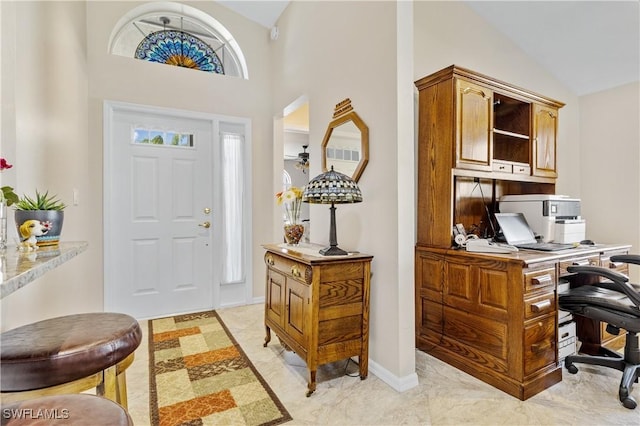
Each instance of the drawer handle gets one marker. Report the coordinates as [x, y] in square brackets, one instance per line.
[583, 262]
[502, 167]
[541, 306]
[295, 271]
[542, 280]
[270, 260]
[615, 265]
[540, 347]
[564, 335]
[521, 169]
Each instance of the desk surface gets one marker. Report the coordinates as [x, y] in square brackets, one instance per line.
[527, 257]
[20, 268]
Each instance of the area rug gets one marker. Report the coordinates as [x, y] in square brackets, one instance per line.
[199, 375]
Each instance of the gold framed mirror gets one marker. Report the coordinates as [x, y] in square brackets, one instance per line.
[346, 143]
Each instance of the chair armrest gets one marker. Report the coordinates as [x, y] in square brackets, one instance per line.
[626, 258]
[619, 282]
[599, 270]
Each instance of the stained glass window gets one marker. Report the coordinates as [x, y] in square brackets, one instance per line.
[180, 49]
[180, 35]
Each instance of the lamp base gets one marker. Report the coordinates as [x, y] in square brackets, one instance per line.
[333, 251]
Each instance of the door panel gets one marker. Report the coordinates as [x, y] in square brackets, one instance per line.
[159, 258]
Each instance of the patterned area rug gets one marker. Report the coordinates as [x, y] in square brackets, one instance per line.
[199, 375]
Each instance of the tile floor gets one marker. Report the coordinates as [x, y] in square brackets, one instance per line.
[444, 396]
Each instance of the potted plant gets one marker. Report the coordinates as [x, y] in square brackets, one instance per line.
[48, 209]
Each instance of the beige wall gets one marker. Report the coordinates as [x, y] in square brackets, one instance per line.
[52, 121]
[322, 55]
[62, 73]
[45, 94]
[609, 156]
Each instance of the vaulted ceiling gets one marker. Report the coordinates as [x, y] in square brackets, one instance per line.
[588, 45]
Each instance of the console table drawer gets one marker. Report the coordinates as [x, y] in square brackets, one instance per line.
[288, 267]
[536, 280]
[605, 260]
[539, 344]
[540, 305]
[578, 261]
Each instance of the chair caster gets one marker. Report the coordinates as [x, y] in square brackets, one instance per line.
[572, 369]
[629, 402]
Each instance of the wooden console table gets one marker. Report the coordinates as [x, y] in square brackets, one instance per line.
[318, 305]
[20, 268]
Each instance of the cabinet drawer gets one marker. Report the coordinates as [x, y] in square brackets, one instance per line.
[288, 267]
[578, 261]
[498, 166]
[540, 305]
[522, 169]
[536, 280]
[539, 344]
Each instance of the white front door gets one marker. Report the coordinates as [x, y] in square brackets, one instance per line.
[158, 212]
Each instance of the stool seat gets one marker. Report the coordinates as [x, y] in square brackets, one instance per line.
[61, 350]
[68, 410]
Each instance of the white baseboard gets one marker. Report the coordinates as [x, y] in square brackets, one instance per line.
[400, 384]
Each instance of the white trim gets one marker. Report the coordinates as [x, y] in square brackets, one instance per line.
[400, 384]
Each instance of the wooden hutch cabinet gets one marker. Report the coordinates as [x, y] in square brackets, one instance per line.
[318, 306]
[492, 315]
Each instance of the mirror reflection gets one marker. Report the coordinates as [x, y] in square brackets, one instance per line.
[346, 143]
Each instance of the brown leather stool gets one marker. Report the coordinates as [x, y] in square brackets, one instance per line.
[68, 410]
[69, 354]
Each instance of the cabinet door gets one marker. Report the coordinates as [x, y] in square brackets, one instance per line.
[545, 130]
[274, 305]
[298, 311]
[474, 109]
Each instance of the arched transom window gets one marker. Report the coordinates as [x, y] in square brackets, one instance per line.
[178, 35]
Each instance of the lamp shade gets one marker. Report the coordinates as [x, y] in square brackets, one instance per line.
[332, 187]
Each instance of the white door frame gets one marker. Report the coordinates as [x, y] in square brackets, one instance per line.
[230, 295]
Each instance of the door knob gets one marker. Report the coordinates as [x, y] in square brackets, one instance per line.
[206, 224]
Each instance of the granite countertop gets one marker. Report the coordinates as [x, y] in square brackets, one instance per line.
[20, 268]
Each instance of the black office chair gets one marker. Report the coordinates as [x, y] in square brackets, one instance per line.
[616, 302]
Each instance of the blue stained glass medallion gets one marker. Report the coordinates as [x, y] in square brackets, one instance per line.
[180, 49]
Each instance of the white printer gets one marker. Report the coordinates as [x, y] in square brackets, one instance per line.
[552, 217]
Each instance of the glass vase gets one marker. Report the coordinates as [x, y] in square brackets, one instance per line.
[293, 233]
[3, 224]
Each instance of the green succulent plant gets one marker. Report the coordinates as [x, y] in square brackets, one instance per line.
[40, 202]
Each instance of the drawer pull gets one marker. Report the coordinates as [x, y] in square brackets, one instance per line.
[564, 335]
[295, 271]
[540, 347]
[541, 306]
[615, 265]
[542, 280]
[270, 260]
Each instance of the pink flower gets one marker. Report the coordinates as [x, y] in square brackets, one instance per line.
[4, 165]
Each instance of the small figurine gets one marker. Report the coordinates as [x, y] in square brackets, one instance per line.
[29, 230]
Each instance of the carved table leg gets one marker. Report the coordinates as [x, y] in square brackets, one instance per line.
[312, 382]
[267, 338]
[363, 361]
